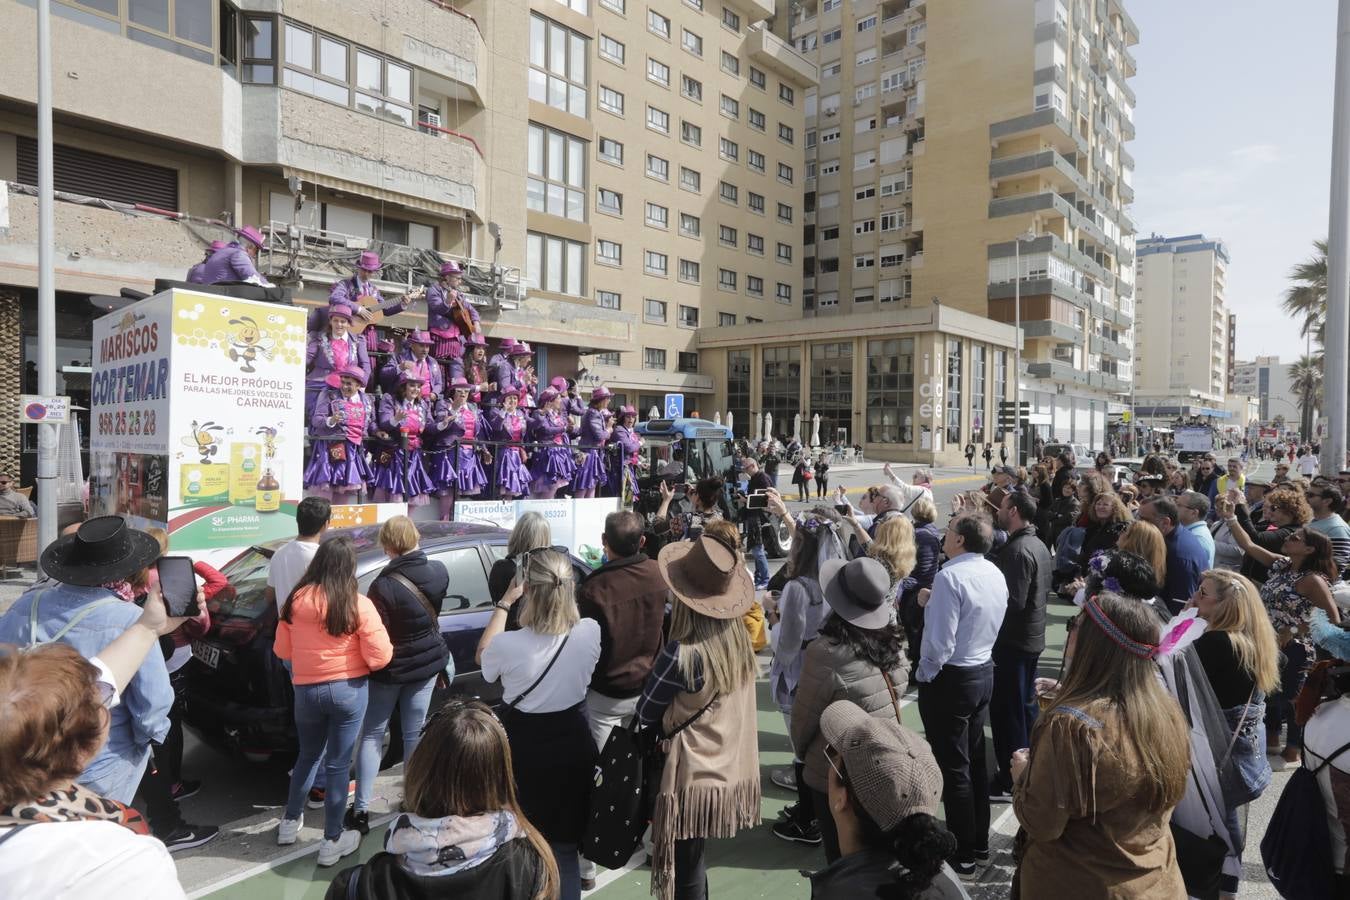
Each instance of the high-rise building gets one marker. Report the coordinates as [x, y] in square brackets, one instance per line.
[948, 143]
[1267, 379]
[1183, 332]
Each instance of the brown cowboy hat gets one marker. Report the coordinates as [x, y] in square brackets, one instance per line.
[707, 575]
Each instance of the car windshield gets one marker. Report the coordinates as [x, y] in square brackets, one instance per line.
[245, 597]
[714, 458]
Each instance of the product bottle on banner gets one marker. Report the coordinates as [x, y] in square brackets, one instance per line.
[268, 498]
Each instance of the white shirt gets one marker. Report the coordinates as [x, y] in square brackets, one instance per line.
[288, 567]
[1306, 465]
[518, 658]
[86, 861]
[963, 616]
[1326, 732]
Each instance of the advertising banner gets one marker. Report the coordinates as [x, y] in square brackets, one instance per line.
[198, 412]
[575, 524]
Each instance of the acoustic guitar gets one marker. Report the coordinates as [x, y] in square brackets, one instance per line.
[460, 318]
[376, 309]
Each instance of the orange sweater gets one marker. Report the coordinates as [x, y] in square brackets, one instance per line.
[316, 656]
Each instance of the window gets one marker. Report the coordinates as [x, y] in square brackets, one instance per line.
[865, 159]
[726, 236]
[726, 279]
[689, 316]
[865, 92]
[783, 293]
[832, 70]
[892, 256]
[725, 320]
[784, 252]
[731, 20]
[557, 173]
[830, 5]
[658, 120]
[696, 4]
[728, 191]
[868, 23]
[607, 359]
[865, 226]
[890, 391]
[609, 253]
[829, 136]
[781, 382]
[609, 201]
[954, 392]
[657, 216]
[654, 311]
[690, 271]
[581, 6]
[611, 49]
[555, 264]
[756, 202]
[728, 149]
[892, 221]
[828, 200]
[829, 233]
[978, 383]
[864, 260]
[558, 67]
[829, 167]
[864, 295]
[687, 362]
[654, 263]
[611, 151]
[730, 64]
[731, 107]
[786, 94]
[785, 133]
[831, 394]
[753, 320]
[757, 78]
[653, 358]
[690, 226]
[259, 52]
[865, 193]
[618, 6]
[611, 100]
[784, 212]
[756, 119]
[829, 37]
[691, 42]
[785, 173]
[691, 88]
[690, 180]
[691, 133]
[865, 57]
[658, 24]
[331, 70]
[755, 160]
[658, 72]
[658, 168]
[607, 299]
[755, 244]
[894, 184]
[828, 298]
[754, 286]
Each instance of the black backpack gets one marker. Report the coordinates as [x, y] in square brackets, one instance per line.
[1296, 849]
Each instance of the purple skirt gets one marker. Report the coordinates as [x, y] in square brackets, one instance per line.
[469, 471]
[447, 348]
[553, 465]
[591, 473]
[403, 473]
[440, 465]
[512, 476]
[324, 471]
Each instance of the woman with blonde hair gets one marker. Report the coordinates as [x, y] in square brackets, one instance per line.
[1106, 766]
[1145, 541]
[545, 669]
[701, 697]
[462, 832]
[894, 548]
[1107, 518]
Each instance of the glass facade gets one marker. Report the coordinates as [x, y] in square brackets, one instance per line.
[1000, 387]
[832, 390]
[953, 418]
[780, 391]
[890, 391]
[979, 412]
[738, 391]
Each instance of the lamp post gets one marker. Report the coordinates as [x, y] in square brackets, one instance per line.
[1028, 236]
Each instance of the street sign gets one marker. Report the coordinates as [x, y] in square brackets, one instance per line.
[37, 409]
[1009, 412]
[674, 406]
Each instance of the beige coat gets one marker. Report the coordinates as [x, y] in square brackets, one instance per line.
[831, 672]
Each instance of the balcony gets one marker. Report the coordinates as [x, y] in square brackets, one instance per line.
[1126, 129]
[1062, 173]
[1052, 330]
[1057, 371]
[772, 52]
[755, 11]
[1056, 74]
[1039, 287]
[1025, 203]
[1108, 382]
[1048, 124]
[1126, 192]
[347, 150]
[1126, 159]
[1053, 31]
[1108, 347]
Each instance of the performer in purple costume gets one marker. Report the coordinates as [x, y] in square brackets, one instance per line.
[501, 374]
[446, 309]
[415, 357]
[351, 290]
[235, 261]
[511, 426]
[343, 418]
[197, 274]
[551, 466]
[330, 351]
[473, 368]
[461, 421]
[594, 433]
[624, 461]
[400, 473]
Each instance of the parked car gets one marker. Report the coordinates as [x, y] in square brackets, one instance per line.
[239, 695]
[1081, 454]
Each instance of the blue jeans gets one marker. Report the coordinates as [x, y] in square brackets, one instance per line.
[413, 700]
[569, 870]
[320, 777]
[1280, 705]
[326, 714]
[761, 565]
[1012, 709]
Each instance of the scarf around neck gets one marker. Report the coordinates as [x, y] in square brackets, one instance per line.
[446, 846]
[74, 804]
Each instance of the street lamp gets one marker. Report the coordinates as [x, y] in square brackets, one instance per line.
[1028, 236]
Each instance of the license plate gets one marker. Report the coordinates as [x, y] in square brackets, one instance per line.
[206, 653]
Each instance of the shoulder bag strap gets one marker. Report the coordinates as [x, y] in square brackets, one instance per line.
[84, 611]
[1324, 763]
[417, 592]
[525, 693]
[13, 830]
[692, 719]
[895, 699]
[1238, 730]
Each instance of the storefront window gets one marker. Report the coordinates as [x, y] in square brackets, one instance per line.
[1000, 386]
[979, 415]
[75, 335]
[953, 422]
[738, 392]
[832, 390]
[890, 391]
[781, 395]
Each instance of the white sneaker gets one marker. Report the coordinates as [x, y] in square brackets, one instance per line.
[331, 851]
[288, 830]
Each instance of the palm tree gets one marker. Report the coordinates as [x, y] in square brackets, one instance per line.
[1306, 298]
[1305, 378]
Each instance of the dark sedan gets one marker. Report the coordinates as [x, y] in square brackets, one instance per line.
[239, 694]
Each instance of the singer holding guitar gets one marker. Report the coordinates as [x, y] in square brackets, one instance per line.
[451, 318]
[360, 293]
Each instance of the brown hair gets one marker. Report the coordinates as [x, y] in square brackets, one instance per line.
[332, 573]
[1320, 557]
[462, 767]
[398, 535]
[141, 580]
[1119, 512]
[726, 532]
[1290, 502]
[1145, 541]
[51, 721]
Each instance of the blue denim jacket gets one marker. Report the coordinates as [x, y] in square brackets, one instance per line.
[143, 714]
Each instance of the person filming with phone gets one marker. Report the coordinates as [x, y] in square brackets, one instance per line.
[754, 513]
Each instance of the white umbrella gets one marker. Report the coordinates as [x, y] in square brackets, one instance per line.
[768, 425]
[815, 430]
[756, 421]
[717, 418]
[729, 417]
[797, 427]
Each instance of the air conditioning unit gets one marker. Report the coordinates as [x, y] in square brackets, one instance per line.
[432, 119]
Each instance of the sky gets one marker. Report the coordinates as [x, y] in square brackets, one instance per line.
[1233, 127]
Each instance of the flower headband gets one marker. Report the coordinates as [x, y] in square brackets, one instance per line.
[812, 523]
[1177, 634]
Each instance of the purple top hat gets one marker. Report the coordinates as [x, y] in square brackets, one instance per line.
[419, 337]
[451, 268]
[520, 348]
[251, 234]
[369, 261]
[476, 339]
[351, 372]
[218, 245]
[341, 310]
[459, 384]
[601, 393]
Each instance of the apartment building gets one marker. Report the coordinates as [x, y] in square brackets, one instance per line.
[949, 143]
[1267, 379]
[1184, 333]
[675, 195]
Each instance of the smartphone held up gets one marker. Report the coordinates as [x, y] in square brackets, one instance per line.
[178, 586]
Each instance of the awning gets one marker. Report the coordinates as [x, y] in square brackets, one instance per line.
[368, 192]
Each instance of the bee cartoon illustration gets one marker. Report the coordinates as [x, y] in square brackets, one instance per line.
[204, 439]
[248, 341]
[270, 440]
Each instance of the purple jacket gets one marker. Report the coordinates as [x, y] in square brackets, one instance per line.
[347, 291]
[544, 428]
[229, 263]
[438, 308]
[503, 374]
[628, 441]
[430, 370]
[320, 430]
[592, 432]
[574, 406]
[319, 364]
[390, 425]
[454, 429]
[499, 428]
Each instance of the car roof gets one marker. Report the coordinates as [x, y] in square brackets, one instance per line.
[431, 534]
